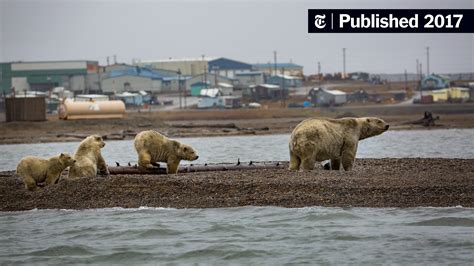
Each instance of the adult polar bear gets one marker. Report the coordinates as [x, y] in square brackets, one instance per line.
[319, 139]
[153, 147]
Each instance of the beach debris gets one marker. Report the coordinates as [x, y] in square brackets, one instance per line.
[122, 134]
[428, 120]
[227, 125]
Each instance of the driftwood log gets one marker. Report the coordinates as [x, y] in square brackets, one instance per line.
[135, 170]
[111, 136]
[228, 125]
[427, 121]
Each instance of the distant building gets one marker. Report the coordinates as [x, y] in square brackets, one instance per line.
[187, 66]
[287, 81]
[196, 66]
[249, 78]
[228, 67]
[130, 98]
[267, 92]
[452, 94]
[80, 76]
[135, 79]
[434, 82]
[324, 97]
[206, 81]
[289, 69]
[214, 98]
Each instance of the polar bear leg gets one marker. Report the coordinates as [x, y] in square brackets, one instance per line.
[307, 163]
[30, 183]
[348, 157]
[144, 160]
[295, 161]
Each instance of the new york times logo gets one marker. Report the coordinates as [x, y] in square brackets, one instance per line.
[319, 21]
[391, 21]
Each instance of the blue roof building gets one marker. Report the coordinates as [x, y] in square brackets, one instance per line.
[228, 67]
[140, 78]
[434, 82]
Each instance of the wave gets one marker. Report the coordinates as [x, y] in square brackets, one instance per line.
[446, 221]
[62, 250]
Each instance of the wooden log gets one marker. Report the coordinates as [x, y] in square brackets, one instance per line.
[135, 170]
[427, 120]
[72, 135]
[228, 125]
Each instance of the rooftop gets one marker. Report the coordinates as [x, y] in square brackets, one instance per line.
[140, 72]
[186, 59]
[278, 65]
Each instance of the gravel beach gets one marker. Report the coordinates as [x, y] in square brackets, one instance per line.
[372, 183]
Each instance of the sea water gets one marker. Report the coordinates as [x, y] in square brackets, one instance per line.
[244, 235]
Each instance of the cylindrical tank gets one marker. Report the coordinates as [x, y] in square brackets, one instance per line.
[70, 109]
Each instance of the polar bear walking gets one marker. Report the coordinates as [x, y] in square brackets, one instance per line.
[152, 147]
[319, 139]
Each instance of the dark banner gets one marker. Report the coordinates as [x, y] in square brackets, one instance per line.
[391, 20]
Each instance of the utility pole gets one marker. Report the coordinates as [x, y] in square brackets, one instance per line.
[108, 62]
[283, 89]
[406, 80]
[319, 74]
[205, 71]
[275, 61]
[179, 88]
[115, 59]
[417, 68]
[427, 60]
[343, 63]
[421, 75]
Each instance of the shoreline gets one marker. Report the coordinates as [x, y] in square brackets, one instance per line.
[386, 182]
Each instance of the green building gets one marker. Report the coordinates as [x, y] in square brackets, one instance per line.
[5, 78]
[78, 76]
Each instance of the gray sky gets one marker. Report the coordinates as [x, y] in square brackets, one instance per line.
[241, 30]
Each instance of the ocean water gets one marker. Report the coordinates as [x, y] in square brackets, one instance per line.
[449, 143]
[244, 235]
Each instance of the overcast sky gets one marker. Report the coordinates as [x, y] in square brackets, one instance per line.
[241, 30]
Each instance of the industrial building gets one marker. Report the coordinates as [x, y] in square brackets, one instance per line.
[434, 82]
[288, 69]
[249, 78]
[266, 92]
[206, 81]
[187, 66]
[135, 78]
[285, 80]
[324, 97]
[195, 66]
[227, 67]
[77, 76]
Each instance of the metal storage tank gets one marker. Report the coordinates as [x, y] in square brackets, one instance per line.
[91, 110]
